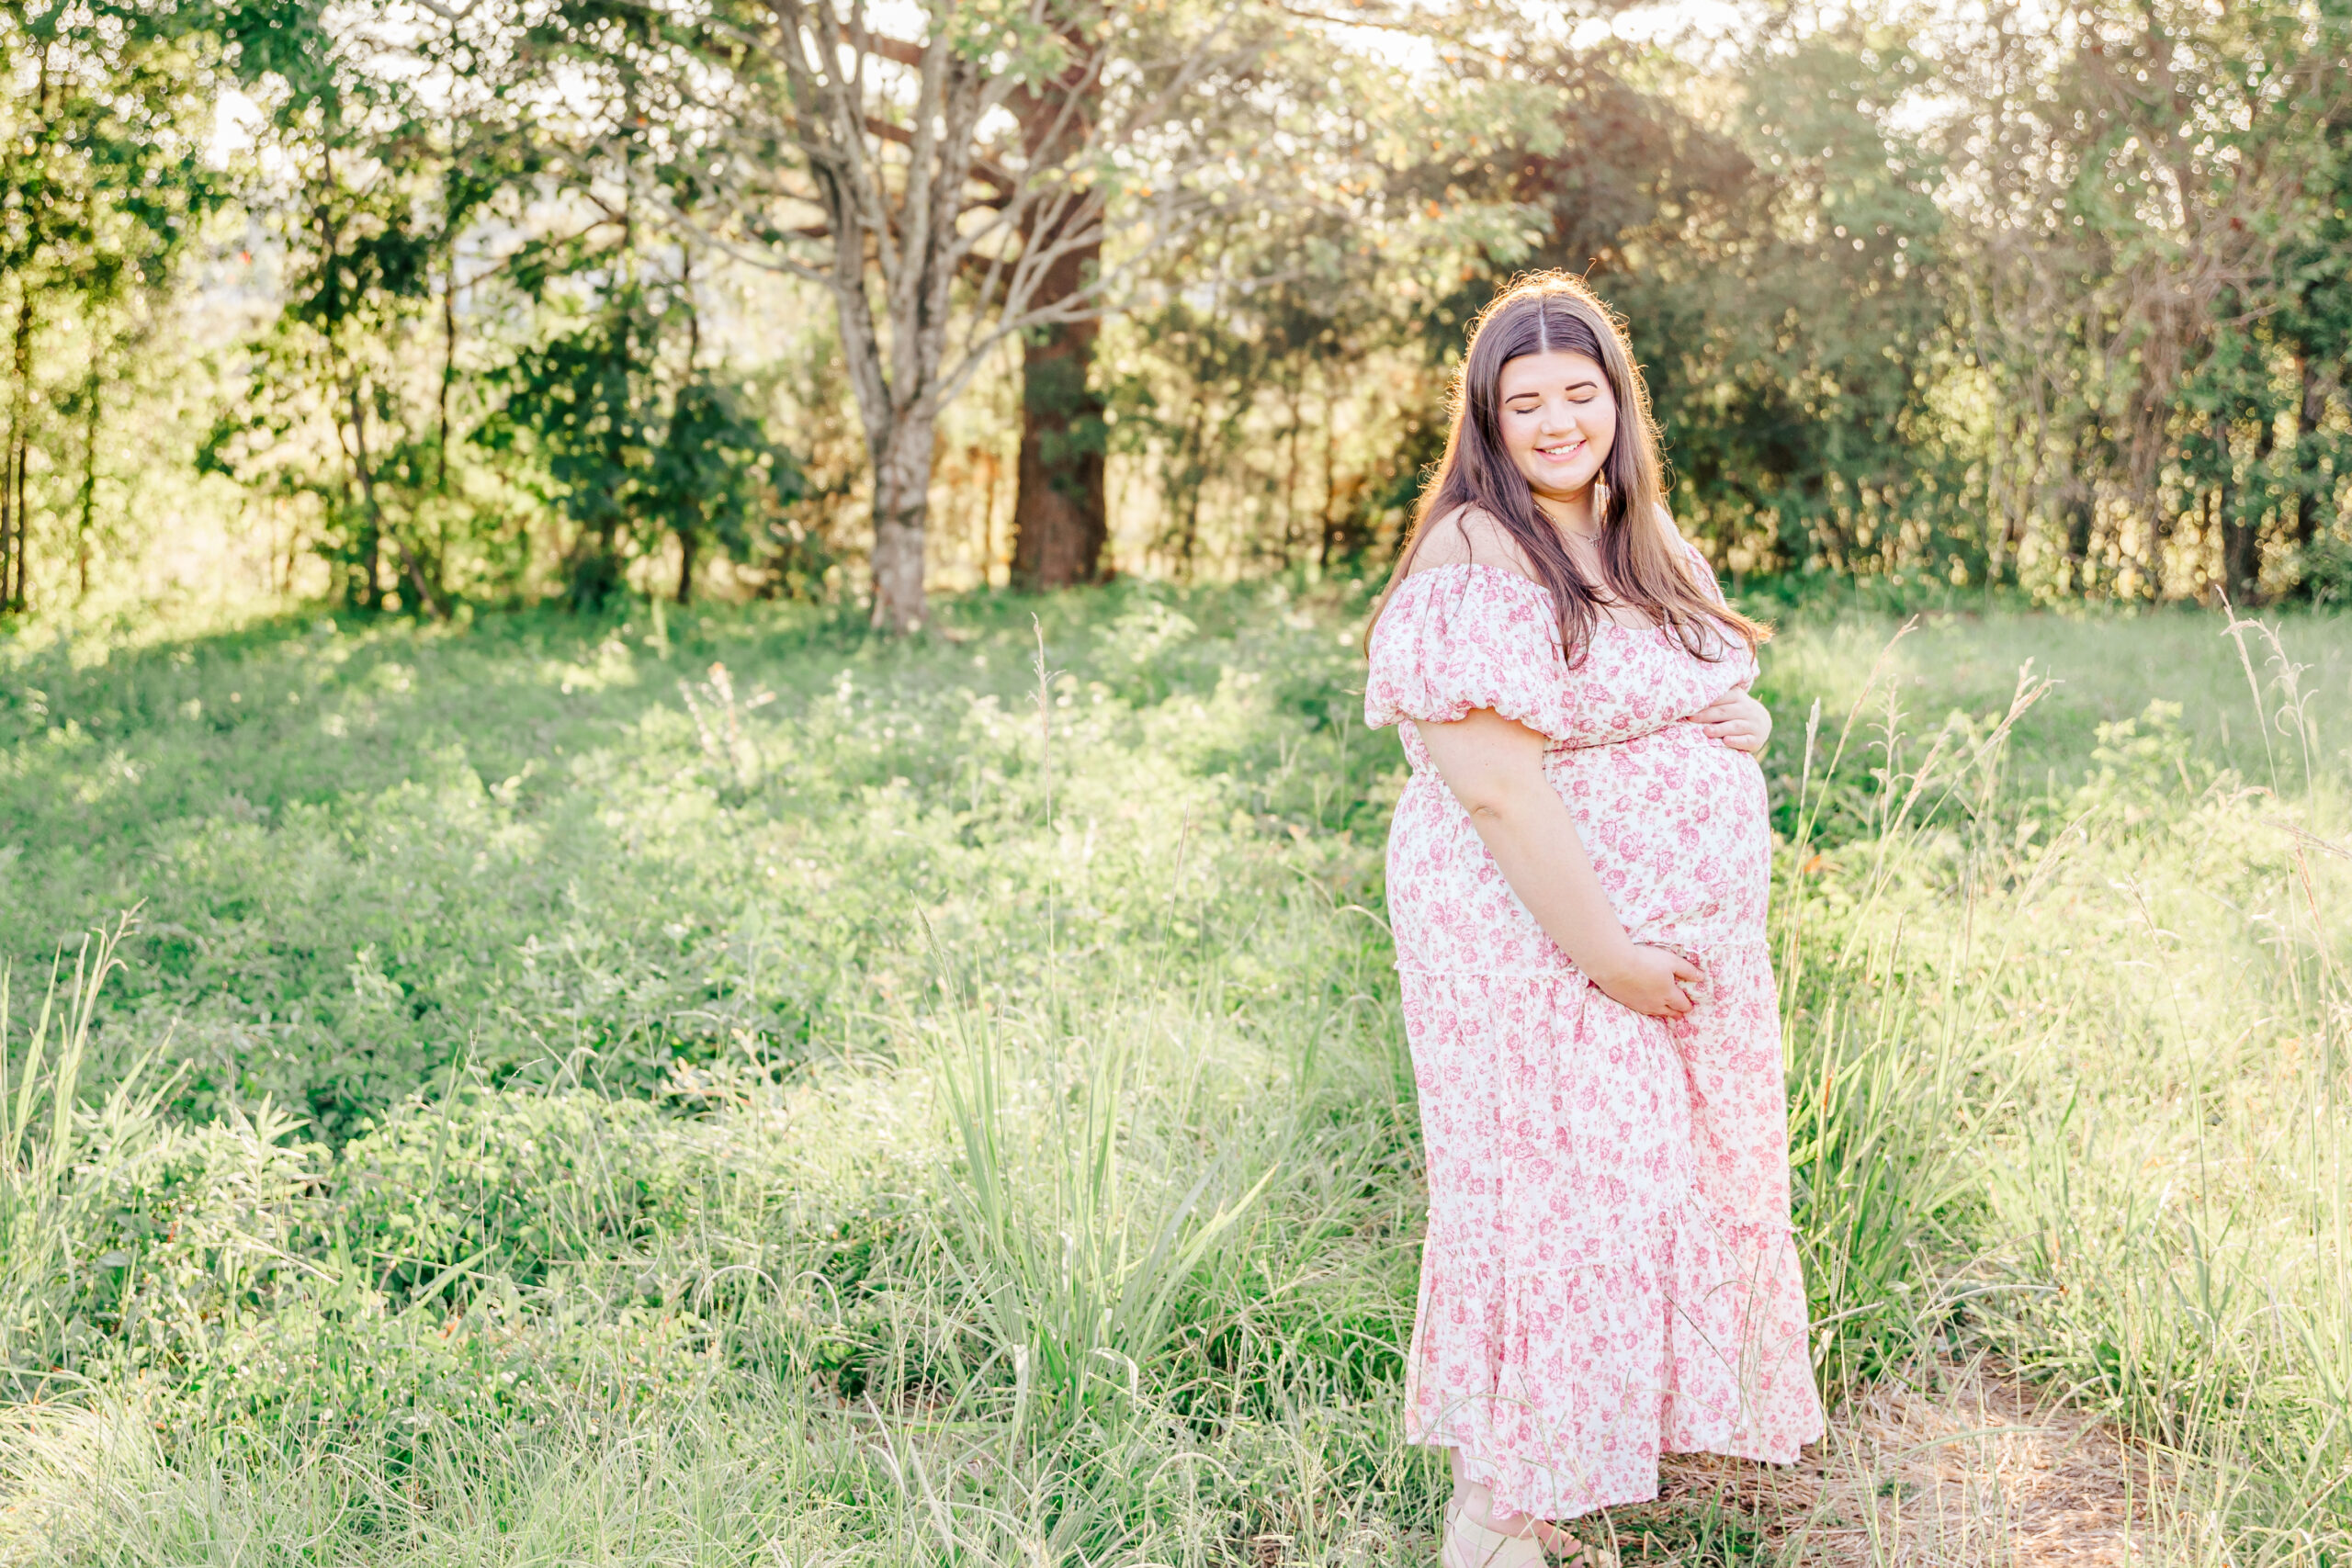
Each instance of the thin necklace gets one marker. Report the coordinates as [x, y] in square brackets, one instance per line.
[1573, 533]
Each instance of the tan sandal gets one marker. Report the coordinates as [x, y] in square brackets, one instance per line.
[1572, 1553]
[1475, 1546]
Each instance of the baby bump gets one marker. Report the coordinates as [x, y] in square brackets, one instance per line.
[1677, 829]
[1673, 822]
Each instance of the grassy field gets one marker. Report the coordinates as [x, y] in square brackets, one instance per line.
[722, 1090]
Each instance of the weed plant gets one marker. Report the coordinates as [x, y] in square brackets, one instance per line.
[725, 1090]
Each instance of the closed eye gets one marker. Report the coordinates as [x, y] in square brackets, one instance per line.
[1528, 402]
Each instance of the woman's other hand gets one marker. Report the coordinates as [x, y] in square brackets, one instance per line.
[1736, 719]
[1648, 979]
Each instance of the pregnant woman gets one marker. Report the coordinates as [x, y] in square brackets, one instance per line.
[1577, 879]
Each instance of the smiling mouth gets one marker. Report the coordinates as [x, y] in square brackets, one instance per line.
[1561, 453]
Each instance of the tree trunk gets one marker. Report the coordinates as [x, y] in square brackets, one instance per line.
[899, 442]
[2307, 480]
[15, 525]
[1188, 540]
[371, 536]
[1060, 519]
[12, 570]
[85, 531]
[23, 600]
[686, 524]
[448, 370]
[367, 574]
[411, 571]
[8, 547]
[2079, 504]
[1298, 391]
[2240, 536]
[1332, 539]
[902, 505]
[2081, 511]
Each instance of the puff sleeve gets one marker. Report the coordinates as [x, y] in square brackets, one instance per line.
[1459, 638]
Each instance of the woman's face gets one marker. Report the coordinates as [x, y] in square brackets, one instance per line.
[1559, 419]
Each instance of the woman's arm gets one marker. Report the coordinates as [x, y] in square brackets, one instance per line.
[1495, 768]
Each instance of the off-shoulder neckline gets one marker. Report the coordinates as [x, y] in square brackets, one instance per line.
[1480, 566]
[1520, 577]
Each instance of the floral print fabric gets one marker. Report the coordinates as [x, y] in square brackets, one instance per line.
[1608, 1272]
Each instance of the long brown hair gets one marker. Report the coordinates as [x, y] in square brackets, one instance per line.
[1642, 559]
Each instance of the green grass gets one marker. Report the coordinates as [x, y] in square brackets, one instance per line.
[728, 1089]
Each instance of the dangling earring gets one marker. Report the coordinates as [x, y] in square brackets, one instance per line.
[1600, 503]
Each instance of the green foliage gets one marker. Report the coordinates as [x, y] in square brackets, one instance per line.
[2153, 290]
[1779, 266]
[719, 481]
[369, 213]
[629, 449]
[745, 1119]
[103, 186]
[2322, 571]
[544, 303]
[1920, 301]
[479, 1185]
[463, 328]
[364, 858]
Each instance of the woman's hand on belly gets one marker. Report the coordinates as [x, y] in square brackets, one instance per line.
[1736, 719]
[1648, 979]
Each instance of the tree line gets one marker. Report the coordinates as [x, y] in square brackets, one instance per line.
[490, 302]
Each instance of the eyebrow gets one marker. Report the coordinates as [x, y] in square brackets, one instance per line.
[1571, 387]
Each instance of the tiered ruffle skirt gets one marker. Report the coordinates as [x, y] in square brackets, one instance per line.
[1610, 1272]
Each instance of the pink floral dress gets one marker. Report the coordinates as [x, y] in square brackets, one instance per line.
[1608, 1272]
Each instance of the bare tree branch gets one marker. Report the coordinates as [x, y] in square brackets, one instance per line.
[933, 230]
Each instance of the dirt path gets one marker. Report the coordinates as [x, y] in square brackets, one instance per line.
[1968, 1467]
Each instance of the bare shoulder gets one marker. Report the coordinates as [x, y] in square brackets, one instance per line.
[1469, 535]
